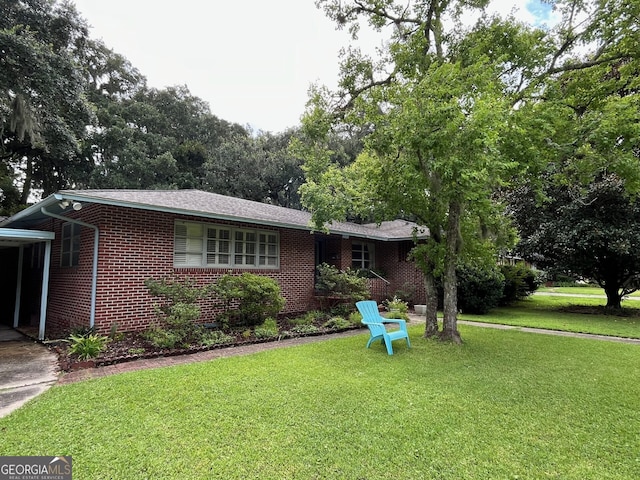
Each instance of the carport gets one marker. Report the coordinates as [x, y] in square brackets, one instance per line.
[16, 238]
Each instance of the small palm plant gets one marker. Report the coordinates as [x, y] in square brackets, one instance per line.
[87, 346]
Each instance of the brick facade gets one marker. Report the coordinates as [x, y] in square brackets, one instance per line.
[135, 245]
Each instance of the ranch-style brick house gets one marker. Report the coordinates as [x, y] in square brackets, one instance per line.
[81, 257]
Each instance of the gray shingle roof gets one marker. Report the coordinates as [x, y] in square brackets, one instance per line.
[215, 206]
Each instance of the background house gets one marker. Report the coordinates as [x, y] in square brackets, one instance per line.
[108, 242]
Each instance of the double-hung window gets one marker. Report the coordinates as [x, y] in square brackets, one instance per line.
[70, 254]
[362, 255]
[203, 245]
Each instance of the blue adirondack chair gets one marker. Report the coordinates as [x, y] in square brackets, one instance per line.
[371, 318]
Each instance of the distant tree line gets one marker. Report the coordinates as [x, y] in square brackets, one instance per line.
[76, 114]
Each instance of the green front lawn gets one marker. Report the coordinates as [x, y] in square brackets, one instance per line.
[504, 405]
[540, 311]
[579, 291]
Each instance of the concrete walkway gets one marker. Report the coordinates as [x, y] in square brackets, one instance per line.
[558, 333]
[27, 368]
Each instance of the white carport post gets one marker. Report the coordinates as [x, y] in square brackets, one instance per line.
[14, 237]
[45, 289]
[16, 310]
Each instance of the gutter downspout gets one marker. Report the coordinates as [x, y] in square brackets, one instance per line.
[94, 274]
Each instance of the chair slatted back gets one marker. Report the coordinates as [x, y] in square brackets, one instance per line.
[371, 316]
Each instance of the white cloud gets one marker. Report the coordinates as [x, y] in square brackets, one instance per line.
[252, 61]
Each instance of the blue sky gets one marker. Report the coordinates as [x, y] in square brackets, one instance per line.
[542, 11]
[253, 61]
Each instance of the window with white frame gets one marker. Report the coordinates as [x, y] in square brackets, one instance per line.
[362, 255]
[203, 245]
[70, 254]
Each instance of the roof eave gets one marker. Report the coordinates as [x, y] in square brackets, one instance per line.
[54, 198]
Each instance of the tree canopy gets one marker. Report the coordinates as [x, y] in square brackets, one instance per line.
[75, 114]
[43, 107]
[451, 117]
[591, 233]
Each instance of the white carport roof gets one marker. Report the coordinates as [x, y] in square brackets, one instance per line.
[13, 237]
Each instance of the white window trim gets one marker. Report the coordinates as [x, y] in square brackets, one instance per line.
[372, 255]
[201, 249]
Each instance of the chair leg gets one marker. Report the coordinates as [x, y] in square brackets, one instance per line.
[408, 342]
[389, 347]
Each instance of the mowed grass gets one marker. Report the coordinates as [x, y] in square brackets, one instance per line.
[541, 311]
[580, 291]
[504, 405]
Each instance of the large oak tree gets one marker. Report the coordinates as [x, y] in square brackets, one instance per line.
[448, 113]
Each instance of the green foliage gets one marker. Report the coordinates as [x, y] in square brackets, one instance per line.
[396, 304]
[397, 308]
[304, 329]
[162, 337]
[347, 284]
[268, 329]
[479, 288]
[215, 337]
[520, 281]
[309, 318]
[337, 323]
[585, 233]
[248, 299]
[355, 318]
[175, 290]
[177, 312]
[44, 110]
[406, 292]
[87, 346]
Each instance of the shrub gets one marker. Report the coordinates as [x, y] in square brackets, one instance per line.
[341, 310]
[268, 329]
[406, 292]
[215, 337]
[87, 346]
[177, 311]
[248, 299]
[479, 289]
[304, 329]
[346, 284]
[337, 323]
[161, 337]
[175, 290]
[355, 318]
[397, 308]
[309, 318]
[520, 281]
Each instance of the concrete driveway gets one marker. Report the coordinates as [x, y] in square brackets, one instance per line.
[27, 369]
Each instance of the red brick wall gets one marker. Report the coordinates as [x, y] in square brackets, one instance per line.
[400, 272]
[136, 245]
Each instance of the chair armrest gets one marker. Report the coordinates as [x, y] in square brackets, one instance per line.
[380, 324]
[393, 320]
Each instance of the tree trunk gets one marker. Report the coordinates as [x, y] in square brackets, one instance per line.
[431, 329]
[450, 322]
[614, 299]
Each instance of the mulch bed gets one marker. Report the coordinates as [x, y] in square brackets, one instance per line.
[132, 346]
